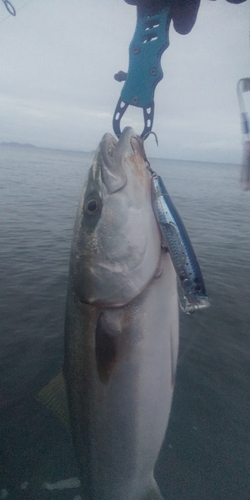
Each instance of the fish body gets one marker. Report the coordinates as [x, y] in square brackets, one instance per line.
[182, 253]
[121, 328]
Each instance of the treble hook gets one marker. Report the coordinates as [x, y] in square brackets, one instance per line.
[10, 8]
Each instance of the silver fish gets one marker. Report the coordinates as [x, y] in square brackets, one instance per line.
[121, 327]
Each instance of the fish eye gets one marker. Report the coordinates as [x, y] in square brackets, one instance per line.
[92, 206]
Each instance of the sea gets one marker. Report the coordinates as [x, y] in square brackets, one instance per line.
[206, 452]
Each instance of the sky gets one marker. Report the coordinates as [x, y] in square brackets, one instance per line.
[58, 59]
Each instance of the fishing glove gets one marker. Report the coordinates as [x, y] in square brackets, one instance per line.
[183, 12]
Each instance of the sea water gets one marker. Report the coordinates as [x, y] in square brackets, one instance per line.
[206, 452]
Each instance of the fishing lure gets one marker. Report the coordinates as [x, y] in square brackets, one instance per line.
[180, 248]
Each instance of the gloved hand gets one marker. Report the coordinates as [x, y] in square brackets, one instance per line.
[183, 12]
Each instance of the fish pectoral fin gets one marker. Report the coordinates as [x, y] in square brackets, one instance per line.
[153, 492]
[54, 397]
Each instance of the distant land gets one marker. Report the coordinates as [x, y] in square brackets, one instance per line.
[91, 153]
[18, 144]
[31, 146]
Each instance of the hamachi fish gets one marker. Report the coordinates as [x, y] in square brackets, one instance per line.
[121, 327]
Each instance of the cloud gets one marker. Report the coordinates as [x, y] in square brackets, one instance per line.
[57, 85]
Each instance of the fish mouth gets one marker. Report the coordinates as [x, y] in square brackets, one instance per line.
[107, 148]
[113, 153]
[109, 142]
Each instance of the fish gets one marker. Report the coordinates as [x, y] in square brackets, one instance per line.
[193, 294]
[121, 327]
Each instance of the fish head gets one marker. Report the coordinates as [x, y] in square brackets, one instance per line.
[116, 244]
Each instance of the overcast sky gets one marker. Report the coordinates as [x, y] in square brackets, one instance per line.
[58, 58]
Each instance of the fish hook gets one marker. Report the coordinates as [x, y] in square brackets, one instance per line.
[148, 134]
[10, 8]
[140, 141]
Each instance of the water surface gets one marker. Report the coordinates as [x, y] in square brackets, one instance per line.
[205, 455]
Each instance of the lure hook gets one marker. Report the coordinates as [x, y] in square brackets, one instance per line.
[10, 8]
